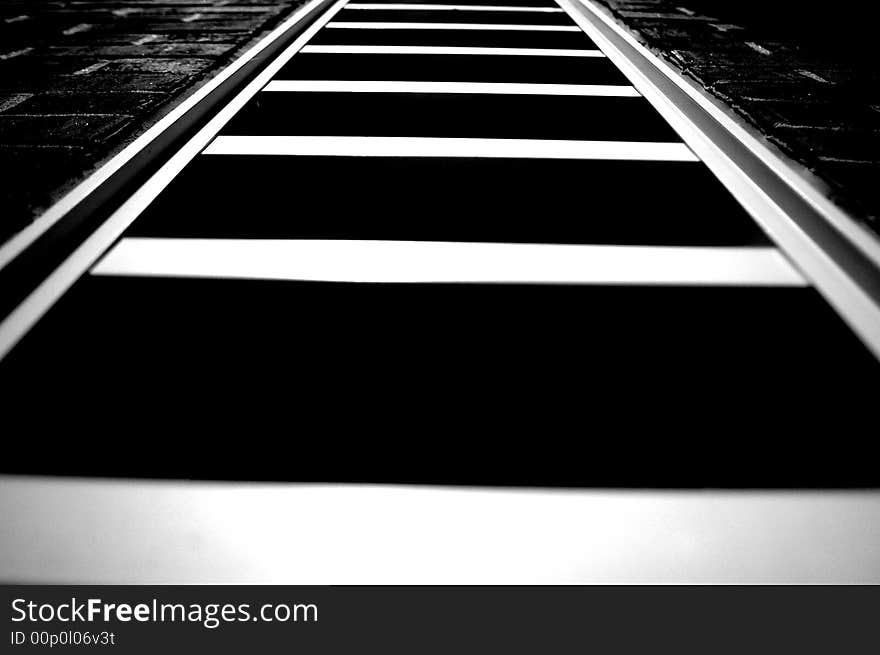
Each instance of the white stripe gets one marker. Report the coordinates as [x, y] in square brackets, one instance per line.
[434, 7]
[445, 50]
[359, 146]
[53, 530]
[346, 86]
[349, 25]
[427, 261]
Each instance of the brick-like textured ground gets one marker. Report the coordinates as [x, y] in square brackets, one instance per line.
[806, 77]
[80, 79]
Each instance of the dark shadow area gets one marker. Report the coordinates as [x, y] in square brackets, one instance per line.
[482, 384]
[846, 32]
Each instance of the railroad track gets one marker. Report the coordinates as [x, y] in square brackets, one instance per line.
[447, 222]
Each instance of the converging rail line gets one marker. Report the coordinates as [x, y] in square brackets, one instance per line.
[510, 194]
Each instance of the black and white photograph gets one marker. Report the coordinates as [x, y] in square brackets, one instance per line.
[369, 309]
